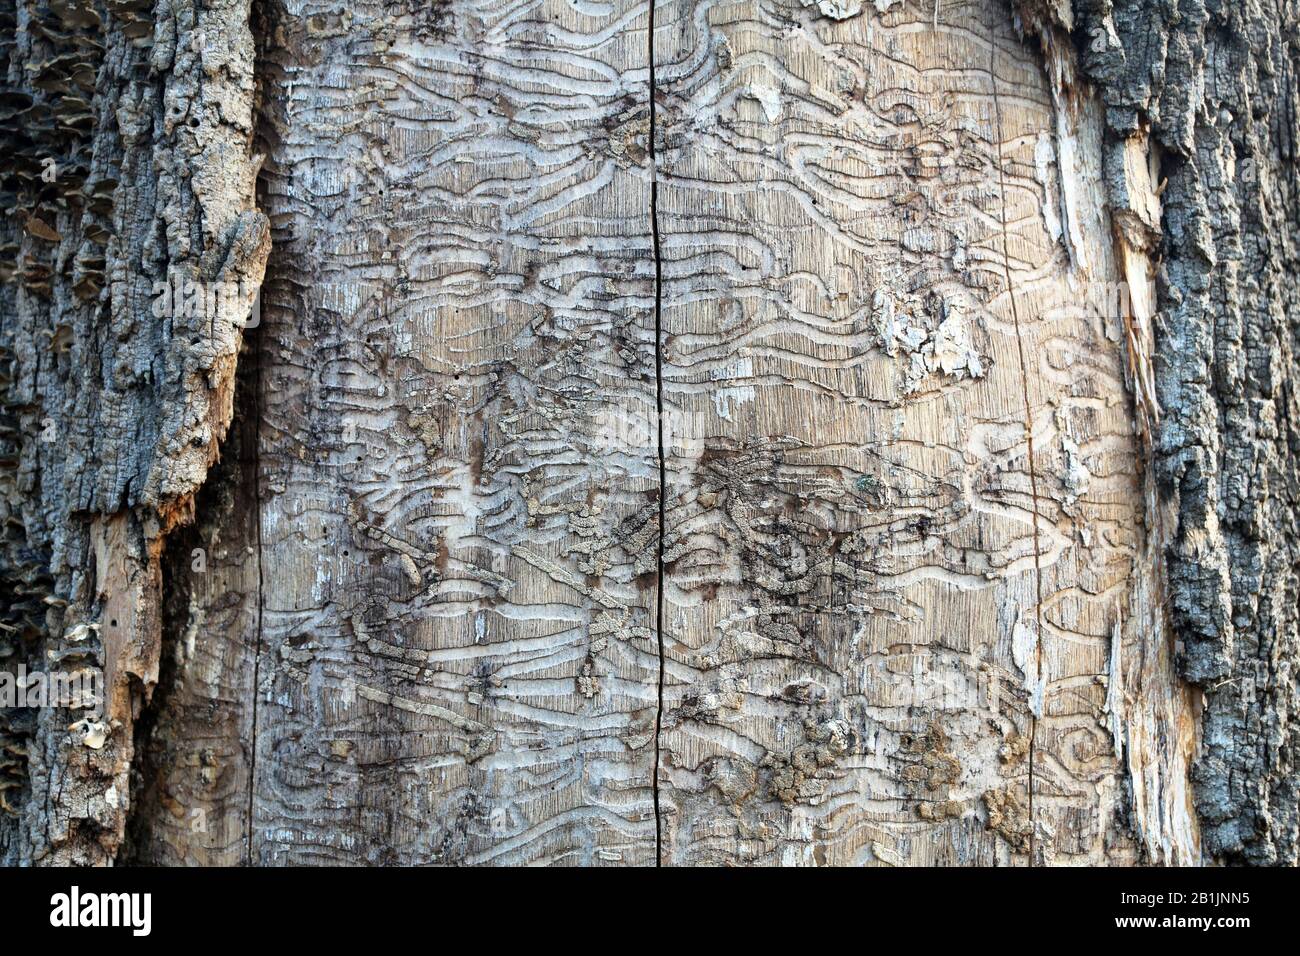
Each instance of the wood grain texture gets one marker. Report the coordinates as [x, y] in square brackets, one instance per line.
[881, 281]
[904, 523]
[458, 658]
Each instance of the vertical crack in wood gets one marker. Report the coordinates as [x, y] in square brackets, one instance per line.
[257, 18]
[261, 588]
[1038, 686]
[659, 403]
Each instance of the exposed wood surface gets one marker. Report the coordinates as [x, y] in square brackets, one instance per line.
[906, 522]
[879, 286]
[459, 661]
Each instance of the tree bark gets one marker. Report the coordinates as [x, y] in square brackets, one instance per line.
[680, 432]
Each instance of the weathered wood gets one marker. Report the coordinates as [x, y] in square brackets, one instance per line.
[193, 765]
[906, 523]
[680, 431]
[458, 653]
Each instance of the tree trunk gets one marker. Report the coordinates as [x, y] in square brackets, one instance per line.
[686, 432]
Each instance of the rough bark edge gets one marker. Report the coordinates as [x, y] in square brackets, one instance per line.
[1207, 89]
[169, 142]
